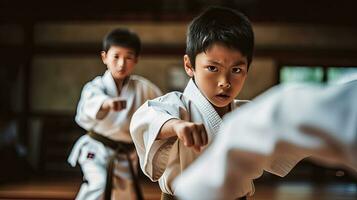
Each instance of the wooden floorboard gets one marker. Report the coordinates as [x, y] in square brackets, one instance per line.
[66, 189]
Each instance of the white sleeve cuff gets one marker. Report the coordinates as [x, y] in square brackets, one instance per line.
[158, 150]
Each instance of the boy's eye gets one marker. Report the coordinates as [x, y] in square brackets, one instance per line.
[236, 70]
[212, 68]
[116, 56]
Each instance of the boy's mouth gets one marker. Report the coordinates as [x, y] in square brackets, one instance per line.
[120, 71]
[223, 96]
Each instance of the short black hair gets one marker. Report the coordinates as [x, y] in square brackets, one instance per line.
[220, 25]
[122, 37]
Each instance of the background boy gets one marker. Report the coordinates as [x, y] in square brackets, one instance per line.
[171, 131]
[104, 110]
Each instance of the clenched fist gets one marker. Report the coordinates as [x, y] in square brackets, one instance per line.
[192, 135]
[115, 104]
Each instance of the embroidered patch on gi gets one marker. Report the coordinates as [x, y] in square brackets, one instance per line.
[90, 155]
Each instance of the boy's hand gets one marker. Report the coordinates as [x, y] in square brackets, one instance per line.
[115, 104]
[192, 134]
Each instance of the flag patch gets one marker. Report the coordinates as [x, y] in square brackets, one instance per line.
[90, 155]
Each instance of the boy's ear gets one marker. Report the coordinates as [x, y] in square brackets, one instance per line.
[136, 59]
[188, 67]
[103, 54]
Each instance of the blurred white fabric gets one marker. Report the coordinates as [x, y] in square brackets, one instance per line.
[273, 133]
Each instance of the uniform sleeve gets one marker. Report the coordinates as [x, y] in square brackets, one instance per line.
[91, 100]
[144, 128]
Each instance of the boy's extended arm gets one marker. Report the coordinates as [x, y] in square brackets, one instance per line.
[150, 125]
[92, 98]
[115, 104]
[192, 134]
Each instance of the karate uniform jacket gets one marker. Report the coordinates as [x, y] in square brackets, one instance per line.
[163, 160]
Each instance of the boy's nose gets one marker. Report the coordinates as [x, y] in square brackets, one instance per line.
[224, 85]
[121, 62]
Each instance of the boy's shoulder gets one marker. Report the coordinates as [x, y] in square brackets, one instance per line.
[140, 81]
[170, 96]
[96, 81]
[175, 99]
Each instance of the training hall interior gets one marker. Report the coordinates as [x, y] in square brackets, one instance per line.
[50, 49]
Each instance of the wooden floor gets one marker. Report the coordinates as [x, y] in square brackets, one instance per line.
[63, 189]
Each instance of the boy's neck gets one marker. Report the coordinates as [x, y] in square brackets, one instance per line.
[120, 83]
[223, 110]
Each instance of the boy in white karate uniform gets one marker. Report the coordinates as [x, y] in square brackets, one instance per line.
[170, 132]
[105, 109]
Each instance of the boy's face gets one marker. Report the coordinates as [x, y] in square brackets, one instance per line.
[120, 61]
[219, 73]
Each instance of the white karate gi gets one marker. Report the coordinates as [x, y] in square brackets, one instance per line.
[93, 155]
[165, 159]
[266, 135]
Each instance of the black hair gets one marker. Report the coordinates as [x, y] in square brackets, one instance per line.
[220, 25]
[124, 38]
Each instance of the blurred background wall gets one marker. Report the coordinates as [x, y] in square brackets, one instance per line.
[50, 49]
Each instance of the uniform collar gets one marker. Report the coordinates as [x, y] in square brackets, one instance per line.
[194, 94]
[110, 86]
